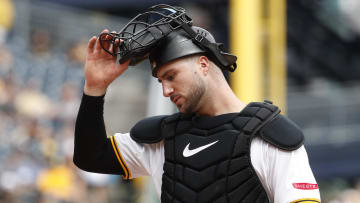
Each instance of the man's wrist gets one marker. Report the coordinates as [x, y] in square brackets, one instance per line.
[92, 91]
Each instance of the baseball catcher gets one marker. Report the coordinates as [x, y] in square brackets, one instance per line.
[216, 149]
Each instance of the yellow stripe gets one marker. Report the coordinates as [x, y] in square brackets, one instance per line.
[306, 200]
[123, 160]
[120, 159]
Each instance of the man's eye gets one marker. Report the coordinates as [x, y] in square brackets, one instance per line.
[170, 77]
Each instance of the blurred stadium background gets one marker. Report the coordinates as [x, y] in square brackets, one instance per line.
[42, 52]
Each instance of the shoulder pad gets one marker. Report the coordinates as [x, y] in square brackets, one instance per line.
[282, 133]
[148, 130]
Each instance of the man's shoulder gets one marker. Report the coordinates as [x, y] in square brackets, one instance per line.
[282, 133]
[267, 123]
[149, 130]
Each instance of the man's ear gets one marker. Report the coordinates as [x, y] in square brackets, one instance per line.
[204, 63]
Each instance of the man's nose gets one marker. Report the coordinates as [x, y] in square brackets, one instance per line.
[167, 90]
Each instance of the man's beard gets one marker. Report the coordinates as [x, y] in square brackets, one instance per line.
[194, 96]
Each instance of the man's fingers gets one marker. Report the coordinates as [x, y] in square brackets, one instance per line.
[105, 41]
[115, 47]
[98, 46]
[91, 44]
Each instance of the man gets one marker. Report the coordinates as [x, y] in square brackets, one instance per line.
[216, 149]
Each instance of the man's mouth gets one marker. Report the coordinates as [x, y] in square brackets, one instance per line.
[175, 99]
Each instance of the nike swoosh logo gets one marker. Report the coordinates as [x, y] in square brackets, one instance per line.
[187, 152]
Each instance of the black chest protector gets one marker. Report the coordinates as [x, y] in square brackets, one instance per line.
[207, 159]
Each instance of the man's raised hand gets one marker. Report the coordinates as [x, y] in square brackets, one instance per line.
[101, 68]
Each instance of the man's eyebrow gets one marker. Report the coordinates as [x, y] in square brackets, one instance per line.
[163, 75]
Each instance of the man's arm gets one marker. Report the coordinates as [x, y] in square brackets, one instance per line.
[93, 151]
[286, 175]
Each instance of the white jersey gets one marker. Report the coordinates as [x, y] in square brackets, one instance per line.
[286, 176]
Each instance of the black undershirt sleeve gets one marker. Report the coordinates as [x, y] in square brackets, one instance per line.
[93, 151]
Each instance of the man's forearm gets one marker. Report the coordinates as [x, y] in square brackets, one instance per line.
[93, 151]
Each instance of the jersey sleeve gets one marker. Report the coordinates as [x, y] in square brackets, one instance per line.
[137, 159]
[286, 175]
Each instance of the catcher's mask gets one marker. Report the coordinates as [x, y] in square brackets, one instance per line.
[164, 33]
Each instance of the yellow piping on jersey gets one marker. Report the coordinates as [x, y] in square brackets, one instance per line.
[121, 159]
[306, 200]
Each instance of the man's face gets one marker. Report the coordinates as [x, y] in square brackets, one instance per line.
[182, 82]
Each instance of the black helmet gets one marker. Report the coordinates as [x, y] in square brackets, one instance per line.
[179, 44]
[165, 33]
